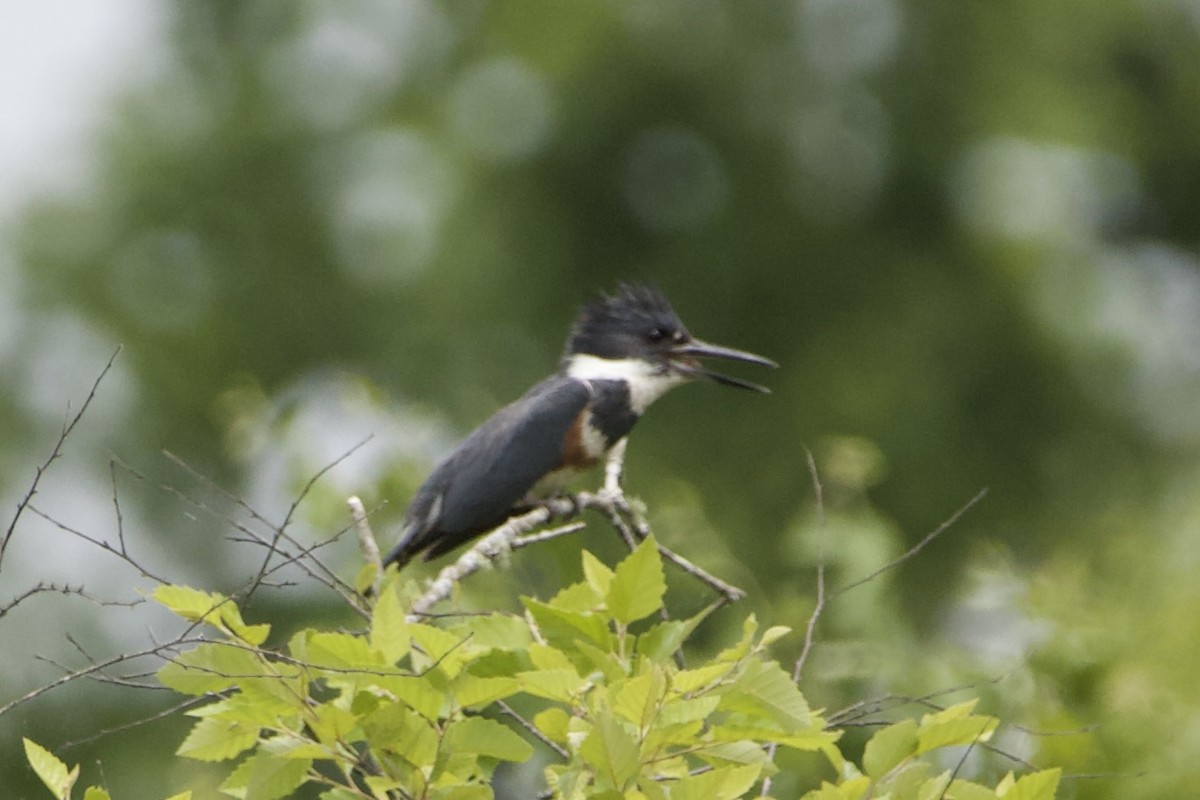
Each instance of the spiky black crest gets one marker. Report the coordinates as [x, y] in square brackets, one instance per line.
[608, 324]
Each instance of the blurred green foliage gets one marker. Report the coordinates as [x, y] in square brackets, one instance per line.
[968, 232]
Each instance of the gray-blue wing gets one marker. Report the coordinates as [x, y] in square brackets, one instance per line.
[477, 484]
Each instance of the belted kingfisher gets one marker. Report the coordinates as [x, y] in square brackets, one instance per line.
[623, 353]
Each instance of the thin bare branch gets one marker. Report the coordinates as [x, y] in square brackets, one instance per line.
[65, 589]
[810, 629]
[170, 711]
[91, 669]
[280, 531]
[367, 544]
[508, 711]
[916, 548]
[55, 454]
[310, 564]
[487, 550]
[120, 553]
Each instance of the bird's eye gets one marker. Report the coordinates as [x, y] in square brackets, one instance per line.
[657, 334]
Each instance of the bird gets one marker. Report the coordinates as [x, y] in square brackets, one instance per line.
[624, 351]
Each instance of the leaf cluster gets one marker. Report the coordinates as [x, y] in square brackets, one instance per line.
[407, 709]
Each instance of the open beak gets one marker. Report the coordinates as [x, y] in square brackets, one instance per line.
[686, 363]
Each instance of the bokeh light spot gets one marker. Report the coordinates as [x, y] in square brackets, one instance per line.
[674, 179]
[347, 58]
[394, 190]
[846, 38]
[163, 281]
[1018, 189]
[500, 110]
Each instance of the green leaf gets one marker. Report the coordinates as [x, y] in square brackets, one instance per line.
[472, 691]
[546, 657]
[292, 745]
[637, 699]
[955, 732]
[50, 769]
[215, 739]
[486, 738]
[191, 604]
[554, 723]
[827, 792]
[905, 779]
[212, 607]
[590, 658]
[415, 690]
[691, 680]
[742, 649]
[495, 630]
[185, 795]
[660, 642]
[579, 597]
[772, 635]
[252, 706]
[764, 689]
[332, 725]
[935, 788]
[389, 631]
[266, 777]
[1035, 786]
[597, 574]
[561, 628]
[438, 647]
[611, 751]
[211, 668]
[394, 728]
[96, 793]
[340, 794]
[965, 790]
[678, 711]
[722, 783]
[889, 747]
[461, 792]
[340, 651]
[552, 684]
[814, 739]
[638, 585]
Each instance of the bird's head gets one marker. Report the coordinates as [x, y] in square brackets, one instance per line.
[635, 334]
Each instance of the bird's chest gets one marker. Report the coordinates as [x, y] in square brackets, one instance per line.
[583, 447]
[604, 421]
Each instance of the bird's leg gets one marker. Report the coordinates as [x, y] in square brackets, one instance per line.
[614, 468]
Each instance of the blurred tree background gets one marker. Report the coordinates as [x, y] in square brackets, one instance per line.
[967, 231]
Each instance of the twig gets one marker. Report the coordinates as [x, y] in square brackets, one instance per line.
[487, 550]
[508, 711]
[366, 542]
[916, 548]
[55, 454]
[547, 535]
[318, 570]
[617, 507]
[612, 503]
[67, 589]
[280, 531]
[137, 723]
[120, 553]
[810, 629]
[962, 762]
[99, 666]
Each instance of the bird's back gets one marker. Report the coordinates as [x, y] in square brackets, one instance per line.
[477, 484]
